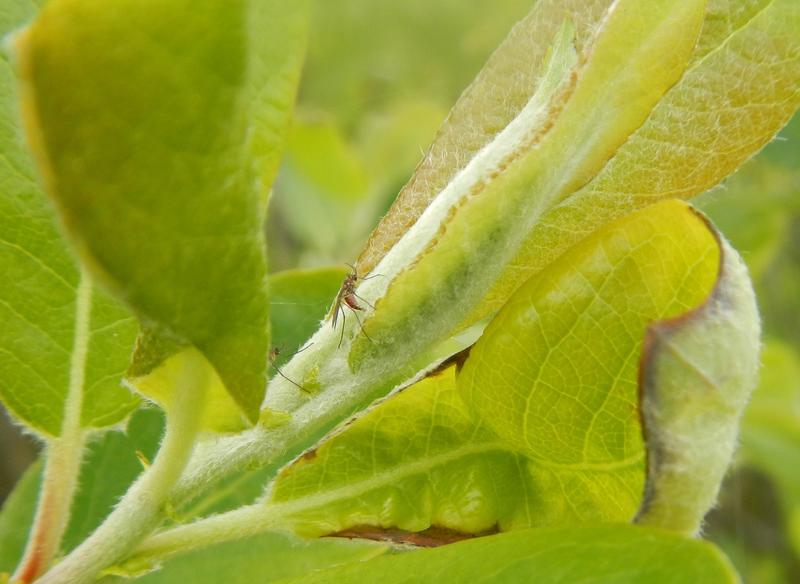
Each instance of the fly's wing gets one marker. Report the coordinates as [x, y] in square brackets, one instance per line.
[333, 313]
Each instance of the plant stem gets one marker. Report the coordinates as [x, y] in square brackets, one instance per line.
[63, 455]
[140, 509]
[232, 525]
[312, 418]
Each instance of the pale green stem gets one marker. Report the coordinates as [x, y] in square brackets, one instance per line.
[232, 525]
[63, 455]
[343, 394]
[139, 512]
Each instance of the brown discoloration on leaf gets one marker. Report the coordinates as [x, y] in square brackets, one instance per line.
[434, 536]
[309, 455]
[457, 359]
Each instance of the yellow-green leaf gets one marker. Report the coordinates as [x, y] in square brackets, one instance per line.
[421, 460]
[555, 373]
[739, 89]
[544, 426]
[718, 98]
[48, 343]
[597, 78]
[157, 128]
[502, 88]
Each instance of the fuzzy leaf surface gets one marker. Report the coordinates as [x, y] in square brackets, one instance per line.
[737, 87]
[586, 106]
[435, 278]
[421, 460]
[697, 373]
[111, 466]
[542, 425]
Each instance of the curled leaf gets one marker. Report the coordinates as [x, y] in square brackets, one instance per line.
[542, 427]
[697, 373]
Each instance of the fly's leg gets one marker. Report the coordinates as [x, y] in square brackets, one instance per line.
[297, 385]
[367, 302]
[361, 326]
[344, 321]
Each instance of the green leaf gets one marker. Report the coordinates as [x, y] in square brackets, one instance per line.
[44, 347]
[756, 208]
[298, 301]
[550, 430]
[555, 374]
[591, 96]
[447, 258]
[611, 554]
[161, 168]
[500, 91]
[264, 558]
[702, 129]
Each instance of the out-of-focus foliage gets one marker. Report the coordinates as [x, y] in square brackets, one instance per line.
[379, 80]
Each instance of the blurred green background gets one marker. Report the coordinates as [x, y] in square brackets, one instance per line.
[380, 78]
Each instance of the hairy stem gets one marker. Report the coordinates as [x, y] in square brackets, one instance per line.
[232, 525]
[63, 455]
[141, 508]
[342, 394]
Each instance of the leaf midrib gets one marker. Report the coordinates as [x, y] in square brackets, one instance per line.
[395, 475]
